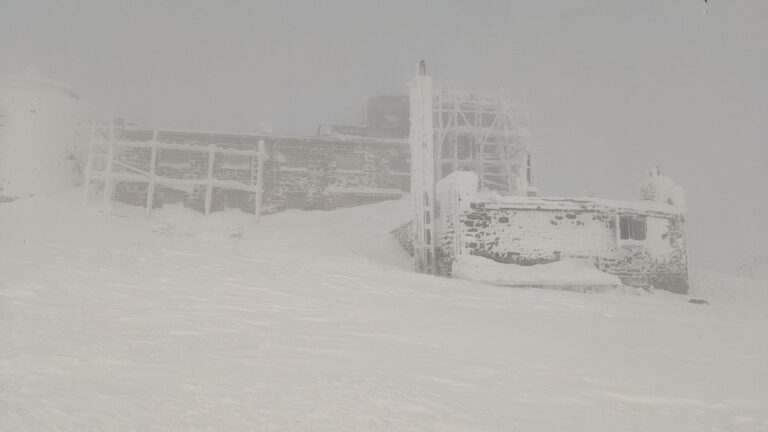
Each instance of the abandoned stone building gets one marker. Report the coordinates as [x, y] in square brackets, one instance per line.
[467, 212]
[642, 242]
[339, 167]
[258, 173]
[464, 157]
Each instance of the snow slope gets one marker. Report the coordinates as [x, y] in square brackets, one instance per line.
[312, 321]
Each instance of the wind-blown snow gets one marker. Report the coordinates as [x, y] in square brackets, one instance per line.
[314, 321]
[564, 272]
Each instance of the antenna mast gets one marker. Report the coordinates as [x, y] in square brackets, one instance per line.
[422, 169]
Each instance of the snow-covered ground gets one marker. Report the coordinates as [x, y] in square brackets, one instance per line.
[313, 321]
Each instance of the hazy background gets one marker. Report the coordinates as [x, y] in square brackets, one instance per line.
[614, 86]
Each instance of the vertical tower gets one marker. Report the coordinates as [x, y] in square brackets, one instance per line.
[422, 169]
[41, 126]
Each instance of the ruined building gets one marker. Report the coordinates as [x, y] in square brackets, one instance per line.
[258, 173]
[465, 157]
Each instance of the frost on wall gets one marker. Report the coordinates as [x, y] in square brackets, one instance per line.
[325, 174]
[641, 242]
[298, 172]
[454, 197]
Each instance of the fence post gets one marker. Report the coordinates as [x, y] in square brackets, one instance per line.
[151, 185]
[209, 186]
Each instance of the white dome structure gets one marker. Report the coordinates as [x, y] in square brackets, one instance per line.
[41, 124]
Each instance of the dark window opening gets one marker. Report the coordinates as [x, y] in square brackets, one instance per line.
[528, 168]
[632, 228]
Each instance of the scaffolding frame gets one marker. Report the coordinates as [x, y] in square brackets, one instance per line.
[484, 133]
[107, 142]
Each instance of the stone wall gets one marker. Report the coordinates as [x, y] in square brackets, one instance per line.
[311, 173]
[317, 182]
[528, 231]
[404, 235]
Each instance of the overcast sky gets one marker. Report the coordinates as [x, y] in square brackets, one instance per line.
[613, 86]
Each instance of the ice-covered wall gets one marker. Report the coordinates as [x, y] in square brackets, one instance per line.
[531, 230]
[333, 174]
[41, 128]
[455, 193]
[315, 173]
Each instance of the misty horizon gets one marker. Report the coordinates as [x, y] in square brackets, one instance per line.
[320, 216]
[613, 88]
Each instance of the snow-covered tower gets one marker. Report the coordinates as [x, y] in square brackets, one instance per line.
[40, 126]
[422, 169]
[660, 188]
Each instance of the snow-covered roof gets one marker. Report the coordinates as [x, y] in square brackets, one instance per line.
[494, 200]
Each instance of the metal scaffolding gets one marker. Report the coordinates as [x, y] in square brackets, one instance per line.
[484, 133]
[132, 155]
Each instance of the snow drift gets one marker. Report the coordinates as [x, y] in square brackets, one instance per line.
[566, 273]
[314, 321]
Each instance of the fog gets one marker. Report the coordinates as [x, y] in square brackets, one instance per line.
[612, 87]
[136, 312]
